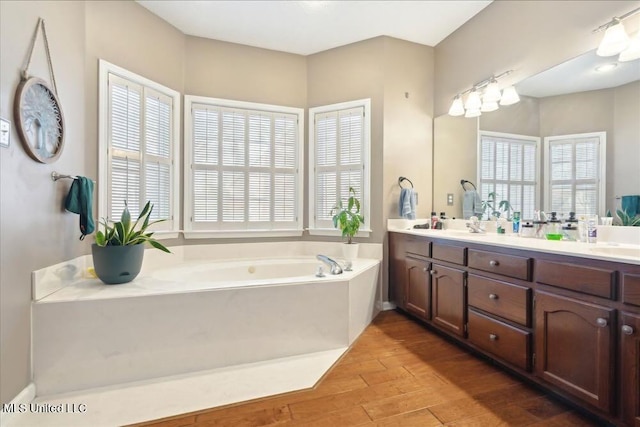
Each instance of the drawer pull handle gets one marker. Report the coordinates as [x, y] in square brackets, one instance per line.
[425, 269]
[493, 337]
[434, 272]
[493, 296]
[627, 330]
[601, 322]
[494, 263]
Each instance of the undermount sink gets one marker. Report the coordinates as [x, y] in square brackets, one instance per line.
[465, 233]
[617, 251]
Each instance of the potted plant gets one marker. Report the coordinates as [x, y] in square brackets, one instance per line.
[348, 220]
[119, 249]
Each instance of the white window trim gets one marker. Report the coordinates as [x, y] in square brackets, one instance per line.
[366, 184]
[535, 139]
[189, 232]
[602, 167]
[104, 69]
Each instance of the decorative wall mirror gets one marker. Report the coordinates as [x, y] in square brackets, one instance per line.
[39, 120]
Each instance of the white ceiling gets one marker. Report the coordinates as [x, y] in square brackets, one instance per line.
[307, 27]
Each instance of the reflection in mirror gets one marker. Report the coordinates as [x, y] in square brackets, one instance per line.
[568, 99]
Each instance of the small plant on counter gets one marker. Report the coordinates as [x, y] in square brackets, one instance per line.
[348, 219]
[627, 220]
[493, 208]
[123, 233]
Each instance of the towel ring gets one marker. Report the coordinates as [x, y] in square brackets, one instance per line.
[403, 178]
[464, 181]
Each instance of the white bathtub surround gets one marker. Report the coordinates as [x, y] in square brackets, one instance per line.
[185, 314]
[25, 397]
[164, 397]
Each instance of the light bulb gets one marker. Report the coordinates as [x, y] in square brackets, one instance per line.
[492, 92]
[473, 101]
[457, 109]
[615, 40]
[472, 113]
[488, 106]
[633, 51]
[509, 96]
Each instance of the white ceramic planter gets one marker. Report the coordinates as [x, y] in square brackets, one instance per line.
[350, 251]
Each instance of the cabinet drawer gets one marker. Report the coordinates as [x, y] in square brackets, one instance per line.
[418, 246]
[631, 289]
[449, 253]
[502, 299]
[506, 265]
[579, 278]
[504, 341]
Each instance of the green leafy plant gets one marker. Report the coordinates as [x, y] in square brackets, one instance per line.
[348, 219]
[123, 232]
[627, 220]
[492, 207]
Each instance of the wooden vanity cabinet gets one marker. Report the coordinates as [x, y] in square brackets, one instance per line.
[629, 368]
[574, 347]
[449, 298]
[569, 324]
[418, 289]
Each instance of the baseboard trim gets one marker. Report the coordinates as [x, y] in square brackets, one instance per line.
[387, 305]
[26, 396]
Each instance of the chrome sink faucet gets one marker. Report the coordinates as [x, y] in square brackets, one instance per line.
[335, 267]
[474, 226]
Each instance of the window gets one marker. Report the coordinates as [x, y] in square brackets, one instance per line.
[339, 153]
[575, 173]
[138, 148]
[243, 163]
[508, 166]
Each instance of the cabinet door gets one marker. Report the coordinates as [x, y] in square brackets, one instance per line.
[397, 271]
[629, 369]
[418, 298]
[449, 299]
[574, 347]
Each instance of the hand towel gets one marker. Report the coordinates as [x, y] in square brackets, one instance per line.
[80, 201]
[407, 203]
[471, 204]
[631, 205]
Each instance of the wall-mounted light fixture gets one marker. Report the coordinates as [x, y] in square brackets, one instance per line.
[483, 101]
[617, 41]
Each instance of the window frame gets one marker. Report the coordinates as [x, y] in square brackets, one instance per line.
[602, 167]
[365, 209]
[538, 150]
[106, 68]
[200, 232]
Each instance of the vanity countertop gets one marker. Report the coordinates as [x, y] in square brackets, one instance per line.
[607, 251]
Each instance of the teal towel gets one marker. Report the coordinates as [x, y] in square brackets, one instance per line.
[80, 201]
[631, 205]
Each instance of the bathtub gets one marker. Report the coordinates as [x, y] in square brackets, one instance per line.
[234, 273]
[193, 312]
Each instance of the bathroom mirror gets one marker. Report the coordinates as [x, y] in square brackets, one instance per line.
[570, 98]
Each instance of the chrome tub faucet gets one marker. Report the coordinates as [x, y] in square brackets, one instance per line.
[335, 267]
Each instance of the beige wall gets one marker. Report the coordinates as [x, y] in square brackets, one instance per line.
[623, 177]
[526, 36]
[35, 231]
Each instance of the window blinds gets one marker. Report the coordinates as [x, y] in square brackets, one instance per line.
[574, 165]
[339, 160]
[508, 167]
[140, 147]
[244, 168]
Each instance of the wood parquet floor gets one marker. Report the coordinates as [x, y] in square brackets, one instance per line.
[398, 373]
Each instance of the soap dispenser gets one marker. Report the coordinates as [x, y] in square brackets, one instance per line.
[554, 228]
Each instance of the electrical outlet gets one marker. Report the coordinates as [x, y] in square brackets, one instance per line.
[449, 199]
[5, 132]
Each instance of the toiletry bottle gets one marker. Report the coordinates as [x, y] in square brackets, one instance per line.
[592, 228]
[516, 222]
[434, 220]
